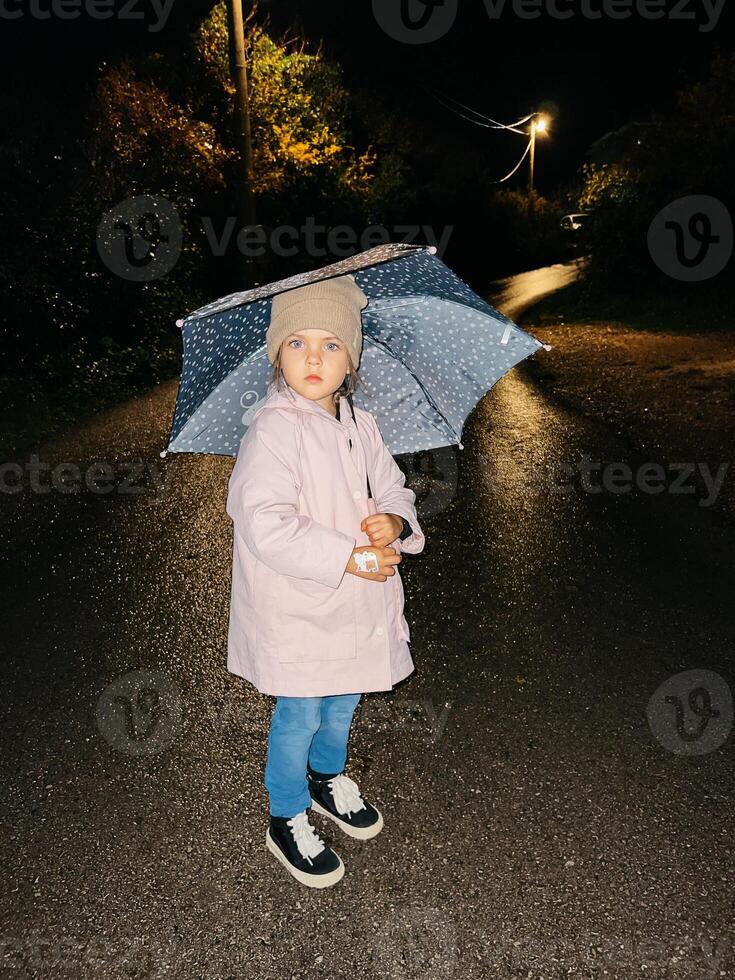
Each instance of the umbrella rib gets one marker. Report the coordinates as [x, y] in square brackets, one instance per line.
[442, 416]
[197, 434]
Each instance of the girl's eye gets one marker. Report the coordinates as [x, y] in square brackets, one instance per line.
[331, 343]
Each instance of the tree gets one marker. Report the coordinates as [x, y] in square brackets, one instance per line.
[688, 151]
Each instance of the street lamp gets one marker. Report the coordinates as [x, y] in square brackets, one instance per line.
[538, 125]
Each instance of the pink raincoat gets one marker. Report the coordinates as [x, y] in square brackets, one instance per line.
[299, 624]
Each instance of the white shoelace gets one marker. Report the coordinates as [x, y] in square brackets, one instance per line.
[346, 795]
[307, 840]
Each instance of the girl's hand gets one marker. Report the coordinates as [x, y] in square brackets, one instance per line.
[382, 528]
[386, 558]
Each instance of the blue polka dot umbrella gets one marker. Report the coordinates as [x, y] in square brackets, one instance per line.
[431, 349]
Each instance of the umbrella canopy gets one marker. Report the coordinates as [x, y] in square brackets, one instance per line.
[431, 349]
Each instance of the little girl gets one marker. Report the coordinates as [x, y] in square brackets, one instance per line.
[321, 515]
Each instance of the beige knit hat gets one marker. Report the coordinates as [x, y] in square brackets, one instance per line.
[332, 304]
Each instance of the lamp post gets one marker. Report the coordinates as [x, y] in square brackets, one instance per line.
[240, 78]
[538, 124]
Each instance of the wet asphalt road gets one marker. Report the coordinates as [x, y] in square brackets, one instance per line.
[536, 824]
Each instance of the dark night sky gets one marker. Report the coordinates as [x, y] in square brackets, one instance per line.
[598, 74]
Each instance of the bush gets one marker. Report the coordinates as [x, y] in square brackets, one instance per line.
[522, 231]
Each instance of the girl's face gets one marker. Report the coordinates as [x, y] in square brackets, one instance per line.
[314, 364]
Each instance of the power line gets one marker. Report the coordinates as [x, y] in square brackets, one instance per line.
[514, 168]
[487, 123]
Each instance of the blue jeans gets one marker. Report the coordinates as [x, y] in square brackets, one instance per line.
[313, 730]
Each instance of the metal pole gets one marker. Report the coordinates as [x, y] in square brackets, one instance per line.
[240, 78]
[532, 154]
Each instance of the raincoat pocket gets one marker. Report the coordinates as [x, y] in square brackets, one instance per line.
[309, 622]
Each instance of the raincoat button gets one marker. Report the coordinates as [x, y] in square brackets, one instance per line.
[379, 631]
[356, 494]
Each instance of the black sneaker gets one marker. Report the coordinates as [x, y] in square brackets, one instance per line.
[339, 799]
[302, 852]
